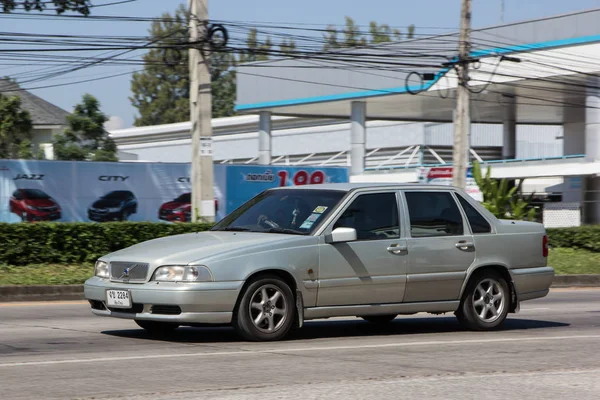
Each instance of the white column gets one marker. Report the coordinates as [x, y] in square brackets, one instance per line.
[509, 130]
[358, 137]
[264, 138]
[592, 121]
[573, 143]
[592, 149]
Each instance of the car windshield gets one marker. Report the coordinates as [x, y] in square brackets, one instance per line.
[184, 198]
[115, 195]
[291, 211]
[35, 194]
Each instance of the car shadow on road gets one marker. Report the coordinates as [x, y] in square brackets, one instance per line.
[323, 329]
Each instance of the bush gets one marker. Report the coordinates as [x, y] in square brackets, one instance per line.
[74, 243]
[79, 243]
[583, 237]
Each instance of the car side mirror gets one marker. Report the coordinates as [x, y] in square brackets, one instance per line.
[342, 235]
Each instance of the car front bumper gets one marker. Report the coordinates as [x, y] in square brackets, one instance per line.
[199, 303]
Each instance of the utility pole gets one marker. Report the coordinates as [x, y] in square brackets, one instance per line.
[501, 11]
[203, 204]
[462, 117]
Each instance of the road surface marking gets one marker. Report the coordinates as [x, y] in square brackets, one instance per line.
[282, 351]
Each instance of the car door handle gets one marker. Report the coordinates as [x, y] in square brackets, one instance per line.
[397, 249]
[464, 245]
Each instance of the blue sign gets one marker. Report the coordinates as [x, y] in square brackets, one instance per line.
[245, 182]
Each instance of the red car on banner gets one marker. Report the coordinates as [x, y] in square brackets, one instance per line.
[179, 209]
[34, 205]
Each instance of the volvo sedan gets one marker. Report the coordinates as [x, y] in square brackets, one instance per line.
[298, 253]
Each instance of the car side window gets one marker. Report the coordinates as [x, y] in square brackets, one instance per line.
[433, 214]
[478, 223]
[374, 216]
[17, 195]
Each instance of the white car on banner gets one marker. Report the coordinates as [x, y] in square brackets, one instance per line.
[443, 176]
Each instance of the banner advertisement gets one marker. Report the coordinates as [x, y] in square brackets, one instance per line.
[244, 182]
[443, 176]
[101, 191]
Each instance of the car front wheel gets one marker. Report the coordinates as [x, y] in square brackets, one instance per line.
[266, 310]
[486, 301]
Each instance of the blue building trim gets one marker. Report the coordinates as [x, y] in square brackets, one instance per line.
[404, 89]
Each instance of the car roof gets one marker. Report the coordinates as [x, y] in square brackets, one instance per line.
[347, 187]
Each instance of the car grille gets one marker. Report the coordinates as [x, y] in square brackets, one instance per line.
[166, 310]
[50, 208]
[136, 308]
[137, 271]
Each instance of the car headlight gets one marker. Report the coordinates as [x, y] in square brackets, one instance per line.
[101, 269]
[180, 273]
[30, 207]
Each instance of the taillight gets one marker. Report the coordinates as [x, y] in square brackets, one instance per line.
[545, 246]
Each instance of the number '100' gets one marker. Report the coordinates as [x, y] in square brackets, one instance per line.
[302, 178]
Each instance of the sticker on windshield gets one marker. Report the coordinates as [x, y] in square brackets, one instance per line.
[310, 221]
[320, 210]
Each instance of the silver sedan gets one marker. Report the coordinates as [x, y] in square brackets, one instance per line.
[298, 253]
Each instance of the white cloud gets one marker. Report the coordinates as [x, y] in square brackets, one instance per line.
[115, 122]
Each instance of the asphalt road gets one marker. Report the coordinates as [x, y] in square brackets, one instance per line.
[549, 350]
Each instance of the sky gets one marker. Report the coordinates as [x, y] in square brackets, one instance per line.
[114, 93]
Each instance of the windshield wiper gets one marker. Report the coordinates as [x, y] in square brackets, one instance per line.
[284, 230]
[234, 229]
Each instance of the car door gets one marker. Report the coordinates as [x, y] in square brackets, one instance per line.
[440, 246]
[372, 269]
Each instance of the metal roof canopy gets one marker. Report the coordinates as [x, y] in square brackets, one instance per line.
[557, 56]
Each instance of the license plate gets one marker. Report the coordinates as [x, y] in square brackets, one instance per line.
[118, 298]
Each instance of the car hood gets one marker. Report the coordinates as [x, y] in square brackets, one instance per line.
[40, 202]
[202, 247]
[171, 205]
[105, 203]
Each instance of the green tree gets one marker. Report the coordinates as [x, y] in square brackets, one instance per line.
[500, 199]
[60, 6]
[85, 138]
[380, 33]
[353, 37]
[161, 91]
[15, 128]
[287, 47]
[331, 38]
[255, 50]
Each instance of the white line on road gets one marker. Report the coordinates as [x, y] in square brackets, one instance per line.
[282, 351]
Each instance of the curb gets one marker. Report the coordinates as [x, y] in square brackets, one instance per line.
[41, 293]
[75, 292]
[562, 281]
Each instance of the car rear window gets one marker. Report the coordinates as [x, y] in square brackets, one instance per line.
[433, 214]
[478, 223]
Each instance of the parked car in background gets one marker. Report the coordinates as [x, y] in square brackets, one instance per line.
[34, 205]
[179, 209]
[113, 206]
[297, 253]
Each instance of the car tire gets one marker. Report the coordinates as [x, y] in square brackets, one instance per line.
[485, 303]
[380, 319]
[258, 299]
[156, 328]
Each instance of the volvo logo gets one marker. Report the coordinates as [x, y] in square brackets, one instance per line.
[127, 271]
